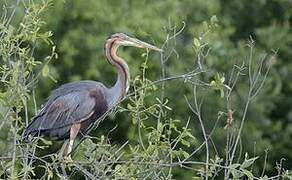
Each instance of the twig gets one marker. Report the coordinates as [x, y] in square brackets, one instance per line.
[197, 111]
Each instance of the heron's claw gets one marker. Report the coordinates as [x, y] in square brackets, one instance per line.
[68, 159]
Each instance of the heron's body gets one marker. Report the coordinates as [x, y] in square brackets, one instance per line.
[77, 102]
[74, 107]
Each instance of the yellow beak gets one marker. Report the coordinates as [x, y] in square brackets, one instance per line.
[140, 44]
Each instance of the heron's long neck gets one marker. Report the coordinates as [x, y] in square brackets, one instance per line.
[119, 90]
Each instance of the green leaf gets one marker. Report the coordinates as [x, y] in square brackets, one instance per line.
[144, 54]
[144, 65]
[197, 178]
[221, 93]
[50, 173]
[191, 136]
[46, 142]
[214, 19]
[197, 42]
[248, 162]
[236, 173]
[160, 127]
[288, 175]
[46, 71]
[186, 143]
[213, 83]
[234, 166]
[248, 174]
[264, 178]
[185, 154]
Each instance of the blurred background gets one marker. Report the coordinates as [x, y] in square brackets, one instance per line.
[80, 29]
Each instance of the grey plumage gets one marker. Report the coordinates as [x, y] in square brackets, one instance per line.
[70, 103]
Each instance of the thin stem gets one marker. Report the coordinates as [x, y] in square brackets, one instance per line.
[197, 111]
[14, 146]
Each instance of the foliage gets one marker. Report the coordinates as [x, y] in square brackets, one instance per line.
[208, 109]
[18, 76]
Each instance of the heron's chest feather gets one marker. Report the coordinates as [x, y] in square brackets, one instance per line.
[101, 104]
[100, 108]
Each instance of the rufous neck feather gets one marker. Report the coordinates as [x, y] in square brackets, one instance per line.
[119, 90]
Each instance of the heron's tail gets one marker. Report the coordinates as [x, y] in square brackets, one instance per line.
[32, 129]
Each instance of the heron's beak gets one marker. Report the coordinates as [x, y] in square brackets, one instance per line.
[140, 44]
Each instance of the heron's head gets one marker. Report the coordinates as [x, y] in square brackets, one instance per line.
[122, 39]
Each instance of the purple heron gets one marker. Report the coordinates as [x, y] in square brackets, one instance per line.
[74, 107]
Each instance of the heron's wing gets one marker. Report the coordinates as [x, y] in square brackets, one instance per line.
[68, 109]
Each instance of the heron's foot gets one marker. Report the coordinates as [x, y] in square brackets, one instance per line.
[68, 159]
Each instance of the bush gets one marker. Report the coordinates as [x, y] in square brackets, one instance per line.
[196, 121]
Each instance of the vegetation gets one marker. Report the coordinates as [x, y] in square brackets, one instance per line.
[216, 104]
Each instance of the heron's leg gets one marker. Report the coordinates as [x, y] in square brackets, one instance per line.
[61, 152]
[73, 133]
